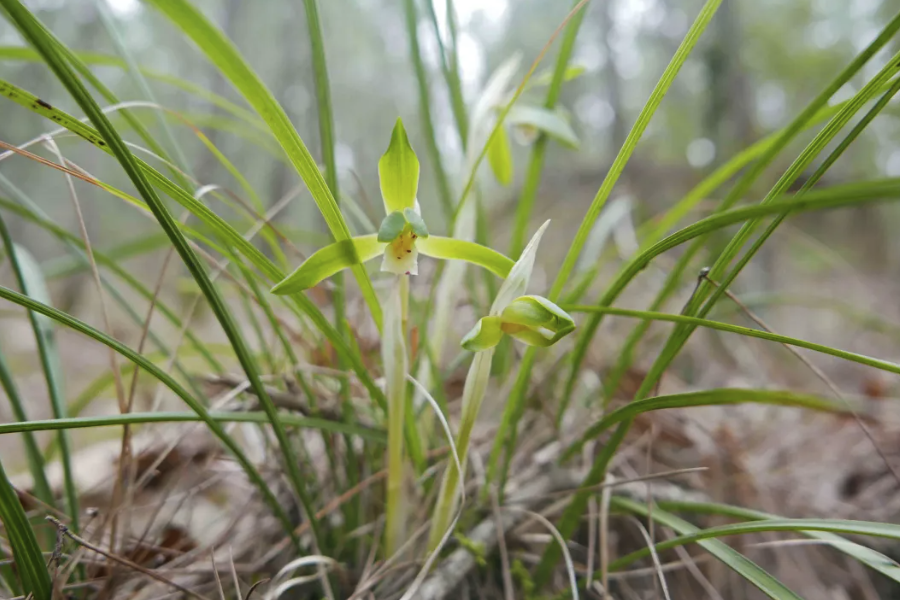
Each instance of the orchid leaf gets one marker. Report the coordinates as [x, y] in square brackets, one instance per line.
[485, 335]
[398, 171]
[416, 223]
[391, 227]
[500, 157]
[329, 260]
[445, 248]
[551, 122]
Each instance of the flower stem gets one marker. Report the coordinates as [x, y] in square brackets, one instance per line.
[473, 394]
[393, 350]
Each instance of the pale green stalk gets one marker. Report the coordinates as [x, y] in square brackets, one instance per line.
[473, 395]
[393, 354]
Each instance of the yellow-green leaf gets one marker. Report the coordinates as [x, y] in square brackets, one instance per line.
[329, 260]
[445, 248]
[500, 157]
[398, 172]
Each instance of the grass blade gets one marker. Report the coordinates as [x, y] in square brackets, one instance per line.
[746, 331]
[868, 556]
[719, 397]
[146, 418]
[25, 549]
[30, 281]
[434, 152]
[736, 561]
[41, 487]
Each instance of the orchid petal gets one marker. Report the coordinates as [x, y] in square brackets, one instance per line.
[485, 335]
[445, 248]
[517, 281]
[398, 172]
[329, 260]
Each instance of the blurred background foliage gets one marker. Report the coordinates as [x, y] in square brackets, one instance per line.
[757, 65]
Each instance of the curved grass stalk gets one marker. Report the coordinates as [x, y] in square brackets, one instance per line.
[77, 246]
[868, 556]
[719, 397]
[134, 71]
[95, 58]
[146, 418]
[736, 561]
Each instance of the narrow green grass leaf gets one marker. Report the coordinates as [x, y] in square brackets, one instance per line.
[41, 487]
[867, 528]
[21, 53]
[745, 331]
[868, 556]
[223, 54]
[425, 103]
[637, 131]
[30, 280]
[146, 418]
[736, 561]
[717, 397]
[25, 549]
[445, 248]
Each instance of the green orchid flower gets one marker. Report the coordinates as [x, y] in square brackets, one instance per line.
[530, 319]
[533, 320]
[402, 235]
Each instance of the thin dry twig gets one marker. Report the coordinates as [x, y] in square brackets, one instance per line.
[122, 561]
